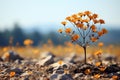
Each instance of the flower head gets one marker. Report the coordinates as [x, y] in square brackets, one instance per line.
[97, 76]
[12, 74]
[60, 30]
[75, 37]
[68, 30]
[104, 31]
[87, 71]
[64, 23]
[102, 21]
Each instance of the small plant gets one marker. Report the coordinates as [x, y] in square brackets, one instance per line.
[86, 28]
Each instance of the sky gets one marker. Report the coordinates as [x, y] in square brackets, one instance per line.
[51, 12]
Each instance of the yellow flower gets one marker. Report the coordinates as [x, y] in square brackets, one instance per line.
[75, 37]
[60, 30]
[68, 30]
[64, 23]
[12, 74]
[102, 21]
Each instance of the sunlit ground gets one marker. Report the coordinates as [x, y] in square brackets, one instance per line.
[61, 50]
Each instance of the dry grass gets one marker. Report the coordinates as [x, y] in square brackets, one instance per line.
[34, 52]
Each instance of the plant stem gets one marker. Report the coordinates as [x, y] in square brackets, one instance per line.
[85, 54]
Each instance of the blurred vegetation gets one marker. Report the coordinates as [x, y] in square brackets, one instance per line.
[17, 35]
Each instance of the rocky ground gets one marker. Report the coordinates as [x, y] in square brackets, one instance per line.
[51, 67]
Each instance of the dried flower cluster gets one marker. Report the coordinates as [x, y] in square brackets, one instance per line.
[87, 28]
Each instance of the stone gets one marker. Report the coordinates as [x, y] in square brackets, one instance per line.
[57, 76]
[112, 68]
[46, 61]
[45, 54]
[11, 56]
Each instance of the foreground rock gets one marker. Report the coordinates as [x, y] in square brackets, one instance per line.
[11, 56]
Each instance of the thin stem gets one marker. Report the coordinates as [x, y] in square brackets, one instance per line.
[77, 29]
[85, 54]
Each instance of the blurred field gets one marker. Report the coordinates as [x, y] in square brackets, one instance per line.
[61, 50]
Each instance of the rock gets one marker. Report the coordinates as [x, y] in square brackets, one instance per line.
[59, 70]
[112, 68]
[83, 67]
[78, 75]
[16, 70]
[11, 56]
[45, 54]
[46, 61]
[61, 77]
[70, 59]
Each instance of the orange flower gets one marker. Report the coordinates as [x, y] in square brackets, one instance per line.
[66, 71]
[114, 77]
[97, 76]
[68, 30]
[102, 68]
[12, 74]
[80, 25]
[73, 20]
[87, 12]
[80, 14]
[28, 42]
[100, 44]
[75, 37]
[104, 31]
[74, 16]
[60, 30]
[102, 21]
[87, 71]
[95, 16]
[94, 30]
[68, 18]
[64, 23]
[93, 39]
[98, 52]
[97, 64]
[60, 62]
[85, 20]
[6, 55]
[93, 27]
[95, 21]
[90, 17]
[100, 33]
